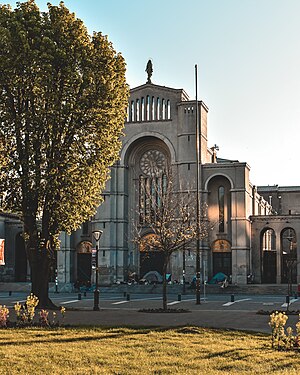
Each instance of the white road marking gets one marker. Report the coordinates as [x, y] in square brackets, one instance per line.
[185, 300]
[119, 303]
[19, 301]
[292, 300]
[66, 302]
[238, 300]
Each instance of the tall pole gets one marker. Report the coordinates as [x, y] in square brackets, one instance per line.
[97, 234]
[197, 191]
[183, 270]
[96, 291]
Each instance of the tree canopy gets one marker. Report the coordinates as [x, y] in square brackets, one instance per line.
[62, 109]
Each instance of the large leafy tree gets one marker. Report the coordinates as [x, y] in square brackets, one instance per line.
[62, 108]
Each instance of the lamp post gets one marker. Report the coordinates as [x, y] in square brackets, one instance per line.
[198, 185]
[97, 235]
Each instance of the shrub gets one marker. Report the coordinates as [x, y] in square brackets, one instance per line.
[283, 339]
[25, 313]
[4, 314]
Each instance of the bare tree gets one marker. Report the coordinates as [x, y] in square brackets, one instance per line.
[169, 215]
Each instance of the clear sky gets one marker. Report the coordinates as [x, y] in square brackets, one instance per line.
[248, 57]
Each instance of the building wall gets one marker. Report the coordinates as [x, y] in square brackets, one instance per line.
[163, 120]
[174, 135]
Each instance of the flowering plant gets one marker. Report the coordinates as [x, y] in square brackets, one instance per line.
[4, 314]
[44, 318]
[283, 339]
[25, 313]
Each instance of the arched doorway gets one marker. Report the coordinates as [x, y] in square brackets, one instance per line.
[20, 259]
[151, 259]
[222, 257]
[84, 263]
[268, 250]
[147, 157]
[288, 256]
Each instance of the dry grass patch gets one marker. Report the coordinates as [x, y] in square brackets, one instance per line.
[188, 350]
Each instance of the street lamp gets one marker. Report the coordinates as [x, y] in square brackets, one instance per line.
[97, 235]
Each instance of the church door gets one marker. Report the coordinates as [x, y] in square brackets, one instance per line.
[222, 258]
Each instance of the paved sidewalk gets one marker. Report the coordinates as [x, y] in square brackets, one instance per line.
[240, 320]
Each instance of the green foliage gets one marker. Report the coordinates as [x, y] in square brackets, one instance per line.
[62, 109]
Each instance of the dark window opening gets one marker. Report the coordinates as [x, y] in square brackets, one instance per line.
[221, 196]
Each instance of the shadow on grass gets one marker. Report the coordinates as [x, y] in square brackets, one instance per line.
[48, 332]
[52, 335]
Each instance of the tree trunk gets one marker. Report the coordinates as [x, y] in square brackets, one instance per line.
[40, 269]
[39, 260]
[39, 257]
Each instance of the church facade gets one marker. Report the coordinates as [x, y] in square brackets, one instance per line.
[255, 229]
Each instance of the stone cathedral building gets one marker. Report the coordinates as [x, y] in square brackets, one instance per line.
[257, 227]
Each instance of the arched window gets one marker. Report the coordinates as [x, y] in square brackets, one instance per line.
[132, 112]
[143, 109]
[153, 108]
[221, 197]
[137, 110]
[152, 183]
[148, 108]
[163, 104]
[157, 109]
[268, 265]
[169, 110]
[151, 191]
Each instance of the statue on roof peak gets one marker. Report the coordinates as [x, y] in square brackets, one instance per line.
[149, 70]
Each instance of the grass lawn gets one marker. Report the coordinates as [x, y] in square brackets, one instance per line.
[186, 350]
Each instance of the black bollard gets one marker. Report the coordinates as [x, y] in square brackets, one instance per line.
[179, 297]
[128, 297]
[232, 298]
[9, 293]
[287, 300]
[84, 294]
[79, 296]
[124, 294]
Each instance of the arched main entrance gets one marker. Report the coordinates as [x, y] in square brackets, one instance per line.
[222, 257]
[268, 250]
[20, 259]
[151, 259]
[84, 263]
